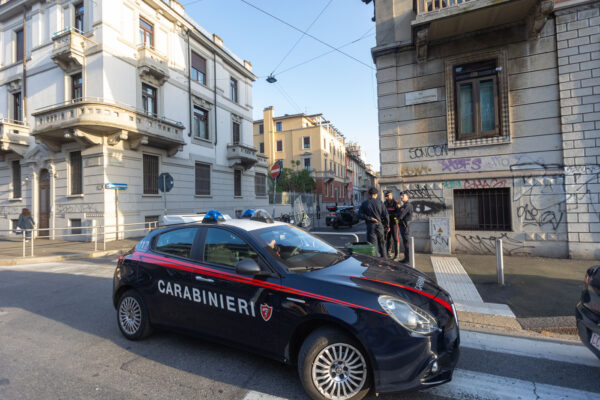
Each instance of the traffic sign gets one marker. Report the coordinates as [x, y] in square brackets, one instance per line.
[165, 182]
[116, 186]
[276, 170]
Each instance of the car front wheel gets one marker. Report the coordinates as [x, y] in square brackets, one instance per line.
[132, 316]
[332, 366]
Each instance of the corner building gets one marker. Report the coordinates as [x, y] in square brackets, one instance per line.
[489, 115]
[107, 91]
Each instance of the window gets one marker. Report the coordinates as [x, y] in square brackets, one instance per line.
[17, 107]
[178, 242]
[261, 148]
[13, 224]
[307, 163]
[20, 45]
[280, 145]
[278, 126]
[146, 33]
[75, 226]
[236, 132]
[198, 68]
[149, 99]
[237, 182]
[226, 248]
[202, 179]
[76, 87]
[476, 100]
[200, 123]
[482, 209]
[233, 86]
[79, 15]
[260, 184]
[306, 142]
[76, 172]
[150, 174]
[261, 129]
[151, 221]
[325, 144]
[16, 179]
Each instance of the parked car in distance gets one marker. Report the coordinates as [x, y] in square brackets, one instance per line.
[587, 312]
[342, 216]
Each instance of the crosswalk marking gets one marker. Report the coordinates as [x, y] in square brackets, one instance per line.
[534, 348]
[477, 385]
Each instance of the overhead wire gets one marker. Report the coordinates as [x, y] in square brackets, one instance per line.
[307, 34]
[302, 36]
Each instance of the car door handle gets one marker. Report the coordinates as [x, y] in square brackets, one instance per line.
[203, 279]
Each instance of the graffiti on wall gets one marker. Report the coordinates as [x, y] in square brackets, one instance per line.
[415, 171]
[481, 243]
[461, 164]
[433, 151]
[76, 208]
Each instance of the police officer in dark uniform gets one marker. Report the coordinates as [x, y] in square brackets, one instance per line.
[404, 216]
[376, 217]
[392, 238]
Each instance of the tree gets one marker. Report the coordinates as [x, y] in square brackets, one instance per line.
[293, 180]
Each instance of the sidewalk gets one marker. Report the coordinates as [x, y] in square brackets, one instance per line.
[45, 250]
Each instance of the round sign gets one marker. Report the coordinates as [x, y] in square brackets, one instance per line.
[165, 182]
[275, 170]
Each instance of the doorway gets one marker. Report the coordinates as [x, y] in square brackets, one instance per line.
[44, 222]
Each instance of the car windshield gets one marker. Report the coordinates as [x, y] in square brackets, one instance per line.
[296, 249]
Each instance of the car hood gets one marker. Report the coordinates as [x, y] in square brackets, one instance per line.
[384, 277]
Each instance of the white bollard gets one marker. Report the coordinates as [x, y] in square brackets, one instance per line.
[500, 262]
[411, 251]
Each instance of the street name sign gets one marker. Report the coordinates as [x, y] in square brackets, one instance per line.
[116, 186]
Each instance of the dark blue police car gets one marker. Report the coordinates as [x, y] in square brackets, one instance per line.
[351, 323]
[587, 311]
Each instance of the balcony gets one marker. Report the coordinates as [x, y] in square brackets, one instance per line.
[14, 137]
[262, 161]
[93, 121]
[69, 48]
[152, 64]
[327, 176]
[443, 19]
[241, 155]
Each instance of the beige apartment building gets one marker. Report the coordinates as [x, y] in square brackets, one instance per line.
[489, 116]
[312, 140]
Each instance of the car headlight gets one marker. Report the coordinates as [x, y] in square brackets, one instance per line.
[411, 317]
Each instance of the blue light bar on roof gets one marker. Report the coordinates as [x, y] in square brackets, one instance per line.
[213, 216]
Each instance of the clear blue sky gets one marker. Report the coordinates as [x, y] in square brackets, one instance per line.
[342, 89]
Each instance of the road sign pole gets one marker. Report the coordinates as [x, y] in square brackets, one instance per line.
[116, 214]
[165, 191]
[274, 198]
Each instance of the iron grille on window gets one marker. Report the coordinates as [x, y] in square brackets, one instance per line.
[16, 179]
[150, 174]
[76, 167]
[482, 209]
[260, 184]
[202, 179]
[76, 226]
[151, 221]
[237, 182]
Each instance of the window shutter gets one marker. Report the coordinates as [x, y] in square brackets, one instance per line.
[198, 63]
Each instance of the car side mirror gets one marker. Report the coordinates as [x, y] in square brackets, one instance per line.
[248, 266]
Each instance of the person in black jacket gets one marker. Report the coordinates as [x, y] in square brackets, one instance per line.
[404, 216]
[376, 217]
[392, 238]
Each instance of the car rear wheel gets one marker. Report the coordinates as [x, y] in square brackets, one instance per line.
[332, 366]
[132, 316]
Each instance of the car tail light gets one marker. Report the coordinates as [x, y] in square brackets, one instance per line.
[332, 214]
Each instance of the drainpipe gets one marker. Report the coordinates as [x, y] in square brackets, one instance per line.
[189, 83]
[24, 84]
[215, 92]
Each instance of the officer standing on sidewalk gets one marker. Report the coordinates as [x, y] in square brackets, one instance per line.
[404, 216]
[376, 217]
[392, 237]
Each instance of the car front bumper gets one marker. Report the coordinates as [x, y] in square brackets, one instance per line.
[587, 323]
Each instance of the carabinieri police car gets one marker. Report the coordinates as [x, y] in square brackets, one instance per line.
[351, 323]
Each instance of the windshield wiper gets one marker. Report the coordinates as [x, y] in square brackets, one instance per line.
[304, 268]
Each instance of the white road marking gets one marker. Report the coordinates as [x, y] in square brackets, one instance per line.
[535, 348]
[476, 385]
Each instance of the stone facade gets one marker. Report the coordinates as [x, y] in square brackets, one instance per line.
[540, 167]
[110, 126]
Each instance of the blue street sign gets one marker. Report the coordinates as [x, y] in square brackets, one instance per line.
[165, 182]
[116, 186]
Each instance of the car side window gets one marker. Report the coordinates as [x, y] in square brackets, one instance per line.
[226, 248]
[177, 242]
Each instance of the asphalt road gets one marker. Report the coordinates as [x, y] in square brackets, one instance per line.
[60, 340]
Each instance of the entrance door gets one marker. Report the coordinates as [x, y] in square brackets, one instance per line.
[44, 222]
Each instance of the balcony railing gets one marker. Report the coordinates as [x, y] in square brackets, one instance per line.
[151, 62]
[69, 48]
[242, 155]
[88, 119]
[262, 161]
[427, 6]
[14, 136]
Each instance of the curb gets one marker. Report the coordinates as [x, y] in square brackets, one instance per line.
[47, 259]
